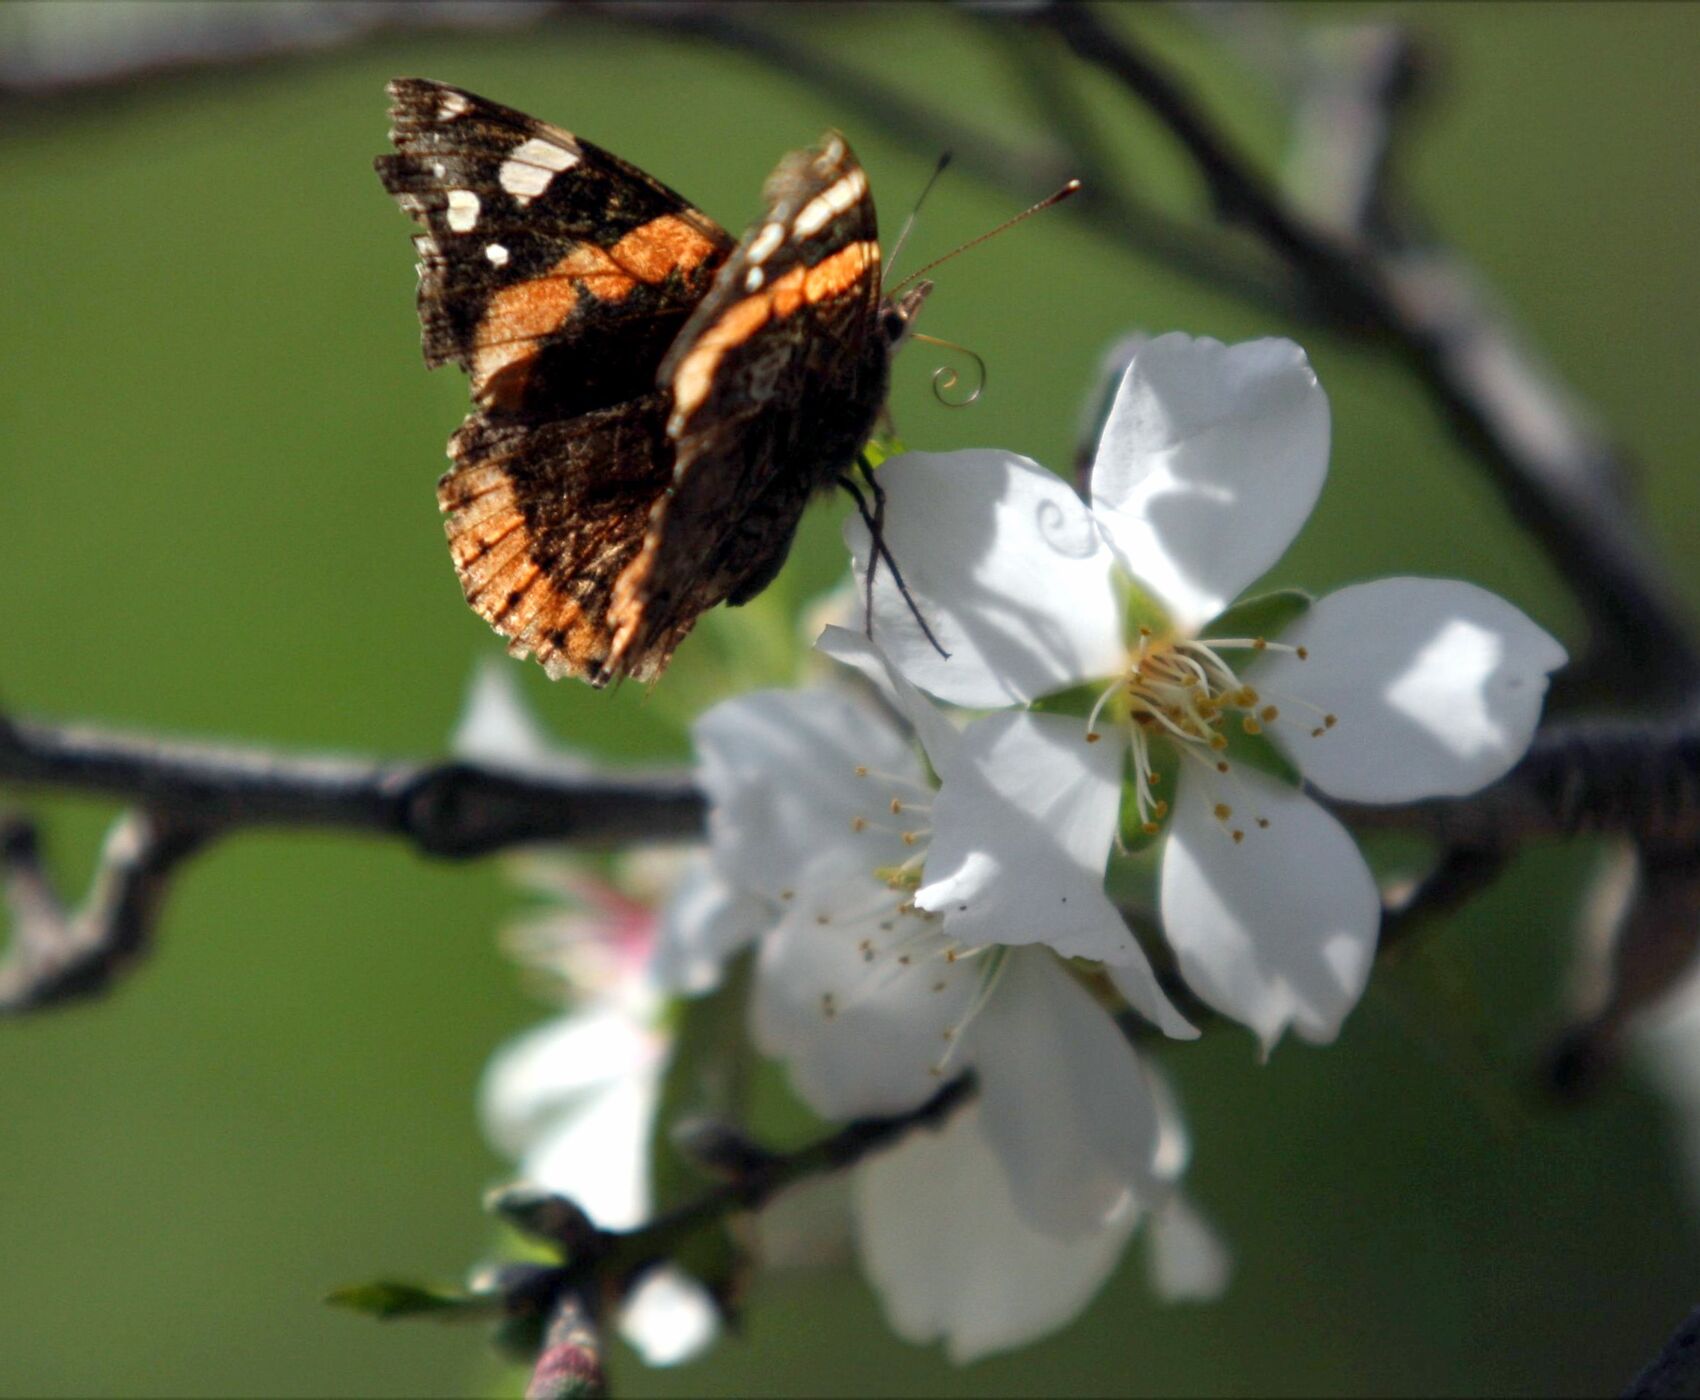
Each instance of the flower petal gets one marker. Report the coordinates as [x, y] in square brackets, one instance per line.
[574, 1101]
[859, 999]
[1211, 460]
[1064, 1102]
[1022, 827]
[669, 1317]
[1437, 686]
[1187, 1260]
[780, 769]
[1278, 928]
[545, 1072]
[951, 1258]
[707, 920]
[937, 734]
[1009, 570]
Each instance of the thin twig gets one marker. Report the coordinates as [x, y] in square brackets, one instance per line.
[1557, 479]
[56, 955]
[1674, 1373]
[569, 1363]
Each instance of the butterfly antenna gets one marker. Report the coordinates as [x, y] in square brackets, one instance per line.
[909, 223]
[945, 377]
[1072, 187]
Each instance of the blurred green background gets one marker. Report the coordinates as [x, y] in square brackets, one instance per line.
[220, 446]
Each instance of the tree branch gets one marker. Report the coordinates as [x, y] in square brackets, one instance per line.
[1556, 477]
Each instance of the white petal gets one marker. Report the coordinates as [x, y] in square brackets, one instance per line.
[859, 1000]
[1210, 462]
[669, 1317]
[780, 769]
[1064, 1103]
[1009, 570]
[952, 1260]
[937, 734]
[1022, 826]
[1278, 929]
[498, 728]
[1187, 1259]
[574, 1101]
[550, 1070]
[706, 922]
[1436, 685]
[1131, 975]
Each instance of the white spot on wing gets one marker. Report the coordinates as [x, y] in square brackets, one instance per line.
[831, 202]
[753, 282]
[497, 254]
[463, 210]
[452, 106]
[771, 236]
[527, 172]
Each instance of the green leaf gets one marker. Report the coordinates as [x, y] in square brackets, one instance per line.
[1267, 615]
[386, 1299]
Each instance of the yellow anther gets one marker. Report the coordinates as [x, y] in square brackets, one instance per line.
[1258, 644]
[1223, 811]
[1218, 742]
[1221, 765]
[1303, 653]
[858, 823]
[1093, 736]
[1269, 714]
[1150, 828]
[1161, 809]
[1250, 725]
[1238, 837]
[861, 770]
[1329, 721]
[910, 838]
[896, 806]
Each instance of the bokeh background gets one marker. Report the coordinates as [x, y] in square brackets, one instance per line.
[219, 452]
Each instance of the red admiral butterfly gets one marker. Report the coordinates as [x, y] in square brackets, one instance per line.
[656, 402]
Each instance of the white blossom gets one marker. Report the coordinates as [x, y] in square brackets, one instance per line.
[1210, 461]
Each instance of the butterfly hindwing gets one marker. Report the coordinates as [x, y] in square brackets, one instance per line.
[776, 380]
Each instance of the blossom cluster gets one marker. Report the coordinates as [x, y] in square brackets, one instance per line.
[921, 848]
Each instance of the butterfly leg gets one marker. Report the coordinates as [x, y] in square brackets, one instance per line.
[874, 519]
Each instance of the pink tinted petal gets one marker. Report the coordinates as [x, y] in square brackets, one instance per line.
[1279, 928]
[1008, 569]
[1436, 686]
[1210, 462]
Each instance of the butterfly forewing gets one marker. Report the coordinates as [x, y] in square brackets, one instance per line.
[556, 274]
[776, 380]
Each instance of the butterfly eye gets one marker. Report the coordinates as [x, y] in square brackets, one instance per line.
[894, 324]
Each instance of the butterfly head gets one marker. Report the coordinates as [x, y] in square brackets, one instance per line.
[897, 316]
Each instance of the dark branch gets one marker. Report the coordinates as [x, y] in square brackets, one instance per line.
[1559, 481]
[443, 809]
[56, 955]
[1675, 1371]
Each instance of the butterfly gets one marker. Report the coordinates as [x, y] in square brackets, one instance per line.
[656, 402]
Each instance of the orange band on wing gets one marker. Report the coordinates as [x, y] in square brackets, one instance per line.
[521, 315]
[801, 286]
